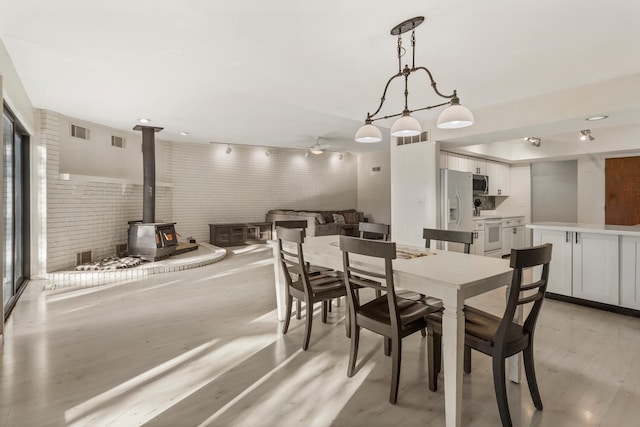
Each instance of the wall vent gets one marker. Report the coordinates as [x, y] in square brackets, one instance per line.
[375, 169]
[79, 132]
[406, 140]
[117, 141]
[83, 257]
[122, 250]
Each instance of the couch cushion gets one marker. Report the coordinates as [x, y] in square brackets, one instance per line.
[339, 218]
[351, 217]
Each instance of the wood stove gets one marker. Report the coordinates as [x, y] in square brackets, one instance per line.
[152, 241]
[148, 239]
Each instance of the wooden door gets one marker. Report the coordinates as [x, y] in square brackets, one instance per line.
[622, 191]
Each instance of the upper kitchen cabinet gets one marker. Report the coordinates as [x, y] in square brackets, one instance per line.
[477, 166]
[457, 162]
[498, 178]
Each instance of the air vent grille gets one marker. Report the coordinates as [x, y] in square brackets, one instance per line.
[83, 257]
[375, 169]
[79, 132]
[117, 141]
[406, 140]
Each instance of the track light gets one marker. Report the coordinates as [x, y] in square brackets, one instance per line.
[535, 141]
[586, 135]
[267, 153]
[341, 156]
[307, 154]
[228, 150]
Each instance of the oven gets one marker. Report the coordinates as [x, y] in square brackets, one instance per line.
[493, 237]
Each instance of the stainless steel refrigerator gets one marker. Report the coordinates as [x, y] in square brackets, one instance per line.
[457, 203]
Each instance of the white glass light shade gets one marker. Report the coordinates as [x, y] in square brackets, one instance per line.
[406, 126]
[455, 116]
[368, 134]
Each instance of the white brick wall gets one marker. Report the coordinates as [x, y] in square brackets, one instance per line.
[209, 186]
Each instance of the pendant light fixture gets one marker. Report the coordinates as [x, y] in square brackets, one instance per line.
[453, 117]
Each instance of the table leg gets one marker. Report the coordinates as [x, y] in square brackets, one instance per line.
[280, 284]
[452, 357]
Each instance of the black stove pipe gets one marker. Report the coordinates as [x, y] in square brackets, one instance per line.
[149, 171]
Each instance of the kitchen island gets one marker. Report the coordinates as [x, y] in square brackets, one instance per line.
[593, 264]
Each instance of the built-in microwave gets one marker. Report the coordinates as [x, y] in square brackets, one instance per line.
[480, 185]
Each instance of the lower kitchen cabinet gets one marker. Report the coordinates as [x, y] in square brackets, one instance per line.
[630, 272]
[512, 234]
[477, 248]
[583, 265]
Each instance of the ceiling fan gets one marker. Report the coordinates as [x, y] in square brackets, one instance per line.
[317, 148]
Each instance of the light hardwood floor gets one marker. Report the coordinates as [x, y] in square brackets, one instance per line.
[203, 347]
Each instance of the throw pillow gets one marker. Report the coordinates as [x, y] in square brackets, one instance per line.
[320, 219]
[351, 217]
[338, 219]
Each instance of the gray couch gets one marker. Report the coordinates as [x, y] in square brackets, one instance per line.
[321, 223]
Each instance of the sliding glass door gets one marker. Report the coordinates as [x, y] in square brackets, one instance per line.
[15, 157]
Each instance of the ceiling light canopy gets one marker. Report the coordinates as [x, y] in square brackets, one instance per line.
[586, 135]
[453, 117]
[144, 121]
[535, 141]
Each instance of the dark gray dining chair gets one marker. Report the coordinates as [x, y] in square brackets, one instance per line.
[453, 236]
[500, 337]
[303, 286]
[372, 230]
[393, 318]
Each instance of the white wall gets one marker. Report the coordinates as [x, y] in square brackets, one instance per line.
[591, 180]
[414, 197]
[210, 186]
[519, 200]
[374, 188]
[13, 92]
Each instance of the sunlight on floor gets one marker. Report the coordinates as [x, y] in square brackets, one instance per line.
[244, 268]
[251, 248]
[144, 397]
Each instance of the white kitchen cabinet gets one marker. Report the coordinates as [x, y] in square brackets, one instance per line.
[477, 166]
[512, 234]
[583, 265]
[630, 272]
[477, 248]
[499, 176]
[443, 160]
[595, 267]
[457, 162]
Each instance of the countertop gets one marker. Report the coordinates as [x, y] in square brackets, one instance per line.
[622, 230]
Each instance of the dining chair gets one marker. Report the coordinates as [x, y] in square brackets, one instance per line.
[301, 285]
[373, 230]
[453, 236]
[393, 318]
[501, 337]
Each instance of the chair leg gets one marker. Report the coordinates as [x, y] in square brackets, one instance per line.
[531, 376]
[325, 309]
[329, 302]
[347, 322]
[434, 350]
[467, 359]
[287, 318]
[387, 346]
[353, 354]
[396, 358]
[501, 390]
[307, 325]
[298, 309]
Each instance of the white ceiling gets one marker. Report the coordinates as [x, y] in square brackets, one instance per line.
[280, 73]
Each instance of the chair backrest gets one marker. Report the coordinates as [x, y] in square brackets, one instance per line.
[372, 227]
[292, 262]
[291, 224]
[465, 237]
[520, 294]
[356, 277]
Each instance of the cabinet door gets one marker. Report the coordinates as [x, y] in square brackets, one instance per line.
[477, 166]
[498, 178]
[630, 272]
[457, 162]
[517, 241]
[507, 238]
[595, 267]
[560, 268]
[478, 243]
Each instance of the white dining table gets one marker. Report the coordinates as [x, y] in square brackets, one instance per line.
[450, 276]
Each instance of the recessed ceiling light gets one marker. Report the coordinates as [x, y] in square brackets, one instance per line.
[144, 120]
[184, 133]
[595, 118]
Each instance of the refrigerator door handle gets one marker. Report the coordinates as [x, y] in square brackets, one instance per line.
[460, 210]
